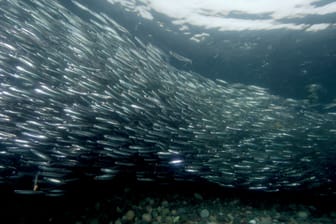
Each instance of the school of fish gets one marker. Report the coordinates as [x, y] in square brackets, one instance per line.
[79, 95]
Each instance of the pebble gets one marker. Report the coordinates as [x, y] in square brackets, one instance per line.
[118, 209]
[181, 210]
[212, 218]
[146, 217]
[155, 214]
[204, 213]
[266, 220]
[149, 209]
[159, 218]
[118, 221]
[252, 221]
[130, 215]
[165, 204]
[302, 214]
[168, 220]
[150, 201]
[165, 211]
[230, 216]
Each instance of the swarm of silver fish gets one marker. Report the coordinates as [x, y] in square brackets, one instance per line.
[81, 96]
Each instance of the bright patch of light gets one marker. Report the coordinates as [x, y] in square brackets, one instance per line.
[318, 27]
[232, 15]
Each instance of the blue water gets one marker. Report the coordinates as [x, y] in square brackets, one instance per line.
[292, 63]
